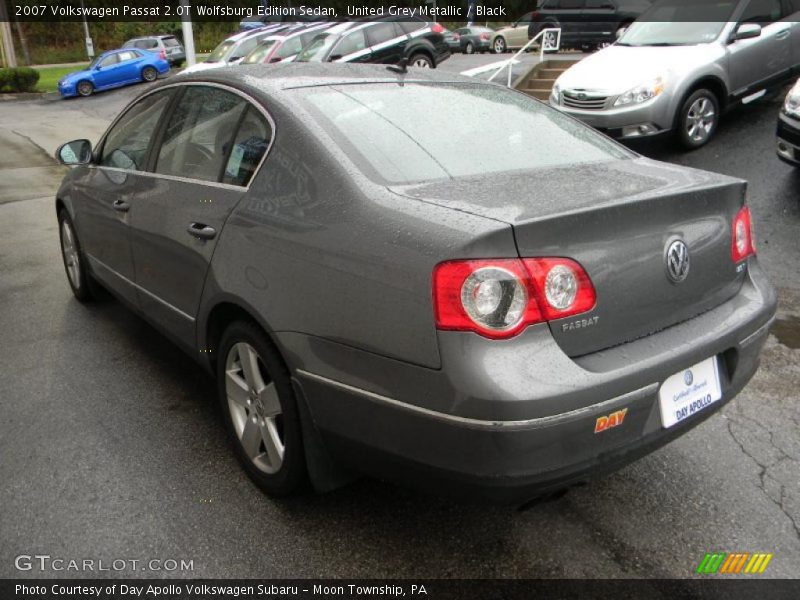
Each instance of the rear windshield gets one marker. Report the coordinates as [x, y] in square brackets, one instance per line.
[420, 132]
[170, 42]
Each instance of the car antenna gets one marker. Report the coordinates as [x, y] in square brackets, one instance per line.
[401, 66]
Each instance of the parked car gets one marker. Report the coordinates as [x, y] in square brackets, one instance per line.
[680, 66]
[789, 128]
[112, 69]
[256, 22]
[386, 42]
[587, 24]
[285, 45]
[513, 37]
[453, 40]
[474, 39]
[369, 294]
[232, 50]
[172, 47]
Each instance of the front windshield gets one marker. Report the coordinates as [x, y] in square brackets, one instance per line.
[676, 23]
[220, 51]
[96, 60]
[317, 49]
[261, 52]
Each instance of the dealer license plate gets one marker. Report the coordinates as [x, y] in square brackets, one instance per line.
[688, 392]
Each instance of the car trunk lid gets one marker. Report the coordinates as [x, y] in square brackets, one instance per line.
[617, 219]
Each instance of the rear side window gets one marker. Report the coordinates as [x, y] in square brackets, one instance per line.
[129, 55]
[249, 146]
[126, 144]
[198, 136]
[382, 129]
[412, 25]
[381, 32]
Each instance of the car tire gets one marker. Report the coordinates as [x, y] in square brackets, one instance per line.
[149, 74]
[260, 410]
[698, 119]
[74, 260]
[421, 61]
[499, 45]
[85, 88]
[469, 48]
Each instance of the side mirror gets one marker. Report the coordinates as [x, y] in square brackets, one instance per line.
[334, 57]
[76, 152]
[746, 31]
[275, 59]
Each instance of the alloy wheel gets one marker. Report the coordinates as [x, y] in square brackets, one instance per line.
[149, 74]
[85, 88]
[255, 408]
[499, 46]
[700, 119]
[469, 49]
[421, 62]
[71, 257]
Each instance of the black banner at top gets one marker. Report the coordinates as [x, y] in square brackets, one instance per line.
[494, 11]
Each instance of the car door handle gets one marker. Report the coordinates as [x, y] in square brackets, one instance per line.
[201, 231]
[121, 206]
[782, 34]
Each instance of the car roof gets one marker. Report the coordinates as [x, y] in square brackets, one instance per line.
[284, 76]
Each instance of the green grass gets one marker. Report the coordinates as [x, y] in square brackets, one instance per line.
[49, 76]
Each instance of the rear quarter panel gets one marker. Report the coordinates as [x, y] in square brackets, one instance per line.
[317, 249]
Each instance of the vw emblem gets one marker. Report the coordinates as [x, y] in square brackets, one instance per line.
[582, 96]
[688, 378]
[677, 261]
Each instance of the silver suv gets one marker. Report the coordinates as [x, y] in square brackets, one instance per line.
[682, 64]
[172, 47]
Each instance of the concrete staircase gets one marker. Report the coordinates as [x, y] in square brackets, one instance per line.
[539, 80]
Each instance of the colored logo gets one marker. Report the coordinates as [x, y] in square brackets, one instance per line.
[733, 563]
[688, 378]
[613, 420]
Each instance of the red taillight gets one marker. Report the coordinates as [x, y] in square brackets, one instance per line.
[742, 243]
[499, 298]
[437, 28]
[484, 36]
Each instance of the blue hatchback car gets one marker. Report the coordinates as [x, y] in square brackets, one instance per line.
[114, 69]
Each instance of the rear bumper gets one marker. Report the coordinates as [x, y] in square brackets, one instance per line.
[788, 142]
[521, 414]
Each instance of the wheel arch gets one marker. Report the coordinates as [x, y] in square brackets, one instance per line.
[713, 84]
[422, 49]
[221, 314]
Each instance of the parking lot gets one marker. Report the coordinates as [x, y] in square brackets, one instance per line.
[112, 445]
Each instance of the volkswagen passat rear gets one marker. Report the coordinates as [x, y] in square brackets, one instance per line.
[370, 296]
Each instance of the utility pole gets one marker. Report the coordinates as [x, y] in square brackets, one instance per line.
[8, 40]
[188, 33]
[87, 37]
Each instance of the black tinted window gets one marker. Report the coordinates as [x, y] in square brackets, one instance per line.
[126, 144]
[762, 12]
[198, 135]
[170, 42]
[248, 148]
[381, 32]
[570, 4]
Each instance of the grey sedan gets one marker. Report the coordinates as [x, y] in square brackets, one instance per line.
[373, 300]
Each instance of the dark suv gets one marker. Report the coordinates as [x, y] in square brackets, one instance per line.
[587, 23]
[387, 42]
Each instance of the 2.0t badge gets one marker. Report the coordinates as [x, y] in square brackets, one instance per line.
[677, 259]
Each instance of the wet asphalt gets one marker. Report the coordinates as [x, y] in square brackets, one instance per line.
[111, 446]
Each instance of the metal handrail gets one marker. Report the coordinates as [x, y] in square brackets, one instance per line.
[542, 34]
